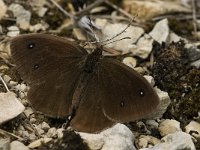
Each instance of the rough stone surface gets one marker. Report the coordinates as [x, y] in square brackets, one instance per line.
[111, 30]
[119, 137]
[10, 106]
[160, 31]
[16, 145]
[175, 141]
[23, 16]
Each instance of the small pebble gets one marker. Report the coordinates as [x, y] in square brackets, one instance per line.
[51, 133]
[28, 111]
[39, 130]
[39, 142]
[130, 61]
[45, 126]
[152, 124]
[13, 83]
[60, 133]
[169, 126]
[193, 128]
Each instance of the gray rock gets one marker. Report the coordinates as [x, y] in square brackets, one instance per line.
[119, 137]
[152, 124]
[193, 51]
[23, 16]
[160, 31]
[16, 145]
[45, 126]
[175, 141]
[39, 130]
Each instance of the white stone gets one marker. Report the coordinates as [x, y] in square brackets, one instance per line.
[22, 16]
[3, 9]
[143, 47]
[130, 61]
[173, 37]
[37, 27]
[150, 79]
[16, 145]
[176, 141]
[145, 140]
[13, 83]
[21, 87]
[39, 142]
[119, 137]
[169, 126]
[60, 133]
[111, 30]
[10, 106]
[162, 106]
[160, 31]
[52, 132]
[13, 31]
[193, 128]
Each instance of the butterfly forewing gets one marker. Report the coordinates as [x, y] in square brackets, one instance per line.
[52, 66]
[38, 55]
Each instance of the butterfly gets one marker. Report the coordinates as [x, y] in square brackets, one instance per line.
[63, 77]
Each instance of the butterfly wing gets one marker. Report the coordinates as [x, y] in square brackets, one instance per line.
[125, 94]
[115, 93]
[89, 116]
[51, 65]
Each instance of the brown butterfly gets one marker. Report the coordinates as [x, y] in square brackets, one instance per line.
[63, 76]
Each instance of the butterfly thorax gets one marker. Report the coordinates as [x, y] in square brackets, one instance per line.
[92, 60]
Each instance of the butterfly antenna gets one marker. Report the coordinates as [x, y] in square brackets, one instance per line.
[110, 39]
[124, 30]
[116, 40]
